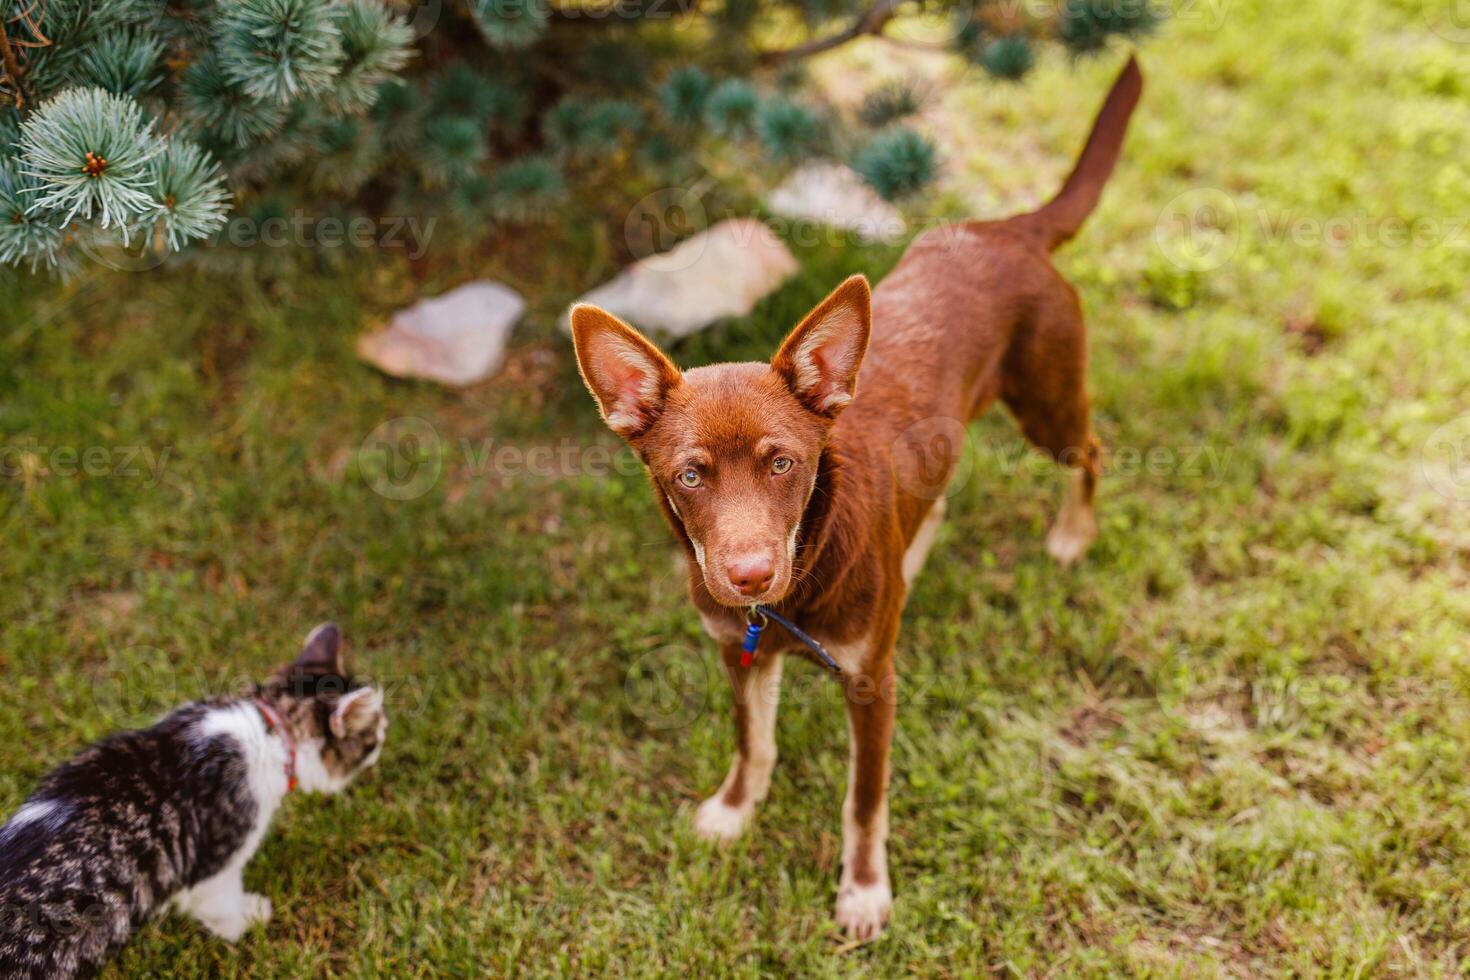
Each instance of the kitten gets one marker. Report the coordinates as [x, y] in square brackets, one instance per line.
[169, 815]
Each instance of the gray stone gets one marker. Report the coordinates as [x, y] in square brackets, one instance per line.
[455, 339]
[834, 195]
[718, 273]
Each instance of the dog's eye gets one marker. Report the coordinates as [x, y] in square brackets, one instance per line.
[781, 464]
[690, 478]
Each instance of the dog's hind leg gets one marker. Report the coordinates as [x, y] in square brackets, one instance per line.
[757, 690]
[1076, 523]
[1045, 387]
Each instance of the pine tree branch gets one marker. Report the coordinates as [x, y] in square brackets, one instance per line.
[911, 44]
[622, 10]
[869, 22]
[12, 68]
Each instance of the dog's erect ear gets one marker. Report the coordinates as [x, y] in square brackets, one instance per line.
[629, 377]
[322, 651]
[820, 359]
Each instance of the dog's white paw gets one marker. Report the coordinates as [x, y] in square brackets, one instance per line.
[718, 821]
[1069, 540]
[862, 910]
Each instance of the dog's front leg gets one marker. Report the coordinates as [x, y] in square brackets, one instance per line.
[864, 895]
[757, 690]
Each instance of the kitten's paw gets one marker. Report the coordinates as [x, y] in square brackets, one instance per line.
[228, 928]
[250, 910]
[717, 821]
[862, 910]
[256, 909]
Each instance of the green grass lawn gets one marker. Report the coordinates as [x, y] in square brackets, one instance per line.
[1235, 740]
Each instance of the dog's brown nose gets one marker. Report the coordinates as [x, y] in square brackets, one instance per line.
[752, 574]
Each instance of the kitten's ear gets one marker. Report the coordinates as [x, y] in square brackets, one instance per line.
[322, 651]
[629, 377]
[357, 712]
[821, 357]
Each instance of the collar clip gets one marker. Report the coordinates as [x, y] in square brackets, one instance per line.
[758, 617]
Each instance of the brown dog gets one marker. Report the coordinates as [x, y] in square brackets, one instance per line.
[790, 490]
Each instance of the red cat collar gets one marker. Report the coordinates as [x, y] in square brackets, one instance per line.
[273, 723]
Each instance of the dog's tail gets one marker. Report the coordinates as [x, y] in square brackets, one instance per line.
[1059, 219]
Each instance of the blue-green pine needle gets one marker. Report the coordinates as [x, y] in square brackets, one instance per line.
[190, 191]
[279, 50]
[731, 109]
[92, 152]
[897, 162]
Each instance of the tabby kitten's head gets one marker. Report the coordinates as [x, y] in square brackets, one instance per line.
[338, 723]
